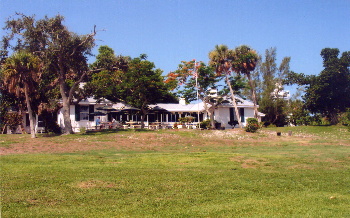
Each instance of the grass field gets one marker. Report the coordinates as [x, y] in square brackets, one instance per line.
[184, 173]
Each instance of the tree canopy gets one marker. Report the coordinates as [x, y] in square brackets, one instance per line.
[63, 54]
[329, 92]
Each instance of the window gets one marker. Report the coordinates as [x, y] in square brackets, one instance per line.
[241, 113]
[84, 112]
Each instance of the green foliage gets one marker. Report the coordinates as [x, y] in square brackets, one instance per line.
[205, 124]
[329, 92]
[142, 84]
[63, 56]
[345, 118]
[297, 112]
[274, 107]
[13, 120]
[187, 119]
[252, 125]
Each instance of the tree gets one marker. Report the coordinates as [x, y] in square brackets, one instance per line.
[20, 76]
[274, 107]
[245, 62]
[221, 59]
[142, 85]
[329, 92]
[107, 72]
[63, 54]
[196, 80]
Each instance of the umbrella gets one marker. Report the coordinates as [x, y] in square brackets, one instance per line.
[107, 108]
[129, 109]
[158, 110]
[97, 113]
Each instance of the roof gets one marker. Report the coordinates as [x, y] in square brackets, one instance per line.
[175, 107]
[182, 108]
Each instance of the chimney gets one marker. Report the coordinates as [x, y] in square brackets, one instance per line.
[182, 101]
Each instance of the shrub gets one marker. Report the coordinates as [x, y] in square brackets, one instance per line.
[252, 125]
[205, 124]
[82, 130]
[187, 119]
[345, 118]
[13, 120]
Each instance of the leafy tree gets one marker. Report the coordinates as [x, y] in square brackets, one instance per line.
[329, 92]
[244, 63]
[63, 54]
[107, 73]
[221, 59]
[20, 76]
[274, 107]
[196, 80]
[142, 85]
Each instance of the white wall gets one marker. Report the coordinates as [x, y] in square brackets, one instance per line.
[76, 124]
[222, 115]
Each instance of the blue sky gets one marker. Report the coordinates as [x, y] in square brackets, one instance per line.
[170, 31]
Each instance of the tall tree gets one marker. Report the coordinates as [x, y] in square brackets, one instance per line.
[244, 63]
[20, 76]
[64, 53]
[221, 58]
[107, 73]
[196, 80]
[329, 92]
[142, 85]
[271, 104]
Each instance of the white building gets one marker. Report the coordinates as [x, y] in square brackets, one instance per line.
[82, 115]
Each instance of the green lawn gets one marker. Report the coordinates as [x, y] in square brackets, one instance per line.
[182, 174]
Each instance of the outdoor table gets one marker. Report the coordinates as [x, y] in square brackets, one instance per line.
[136, 126]
[106, 125]
[155, 125]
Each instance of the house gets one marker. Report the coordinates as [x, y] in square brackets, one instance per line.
[85, 113]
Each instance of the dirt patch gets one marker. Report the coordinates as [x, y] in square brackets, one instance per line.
[300, 166]
[249, 162]
[95, 184]
[148, 141]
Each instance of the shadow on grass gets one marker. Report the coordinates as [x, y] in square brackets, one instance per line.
[96, 132]
[109, 131]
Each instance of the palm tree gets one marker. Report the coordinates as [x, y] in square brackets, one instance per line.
[244, 62]
[221, 58]
[20, 71]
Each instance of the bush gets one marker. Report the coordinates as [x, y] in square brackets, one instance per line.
[82, 130]
[252, 125]
[205, 124]
[345, 118]
[187, 119]
[13, 120]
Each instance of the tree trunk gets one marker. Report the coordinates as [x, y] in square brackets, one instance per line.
[65, 99]
[253, 93]
[234, 101]
[66, 111]
[66, 117]
[212, 120]
[143, 116]
[30, 111]
[333, 117]
[209, 111]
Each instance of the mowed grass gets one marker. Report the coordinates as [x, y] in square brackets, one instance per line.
[180, 174]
